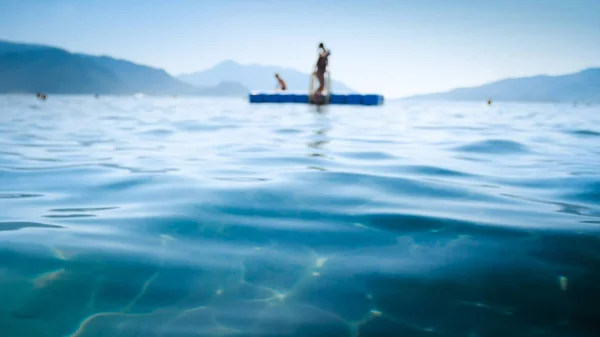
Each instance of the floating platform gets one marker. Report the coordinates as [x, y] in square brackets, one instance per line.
[290, 97]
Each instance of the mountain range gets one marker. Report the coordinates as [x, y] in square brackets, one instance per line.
[37, 68]
[256, 77]
[583, 86]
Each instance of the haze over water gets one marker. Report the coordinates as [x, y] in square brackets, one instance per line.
[212, 217]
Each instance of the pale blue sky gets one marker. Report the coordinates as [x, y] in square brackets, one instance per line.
[394, 47]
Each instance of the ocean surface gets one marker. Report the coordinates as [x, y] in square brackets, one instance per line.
[144, 216]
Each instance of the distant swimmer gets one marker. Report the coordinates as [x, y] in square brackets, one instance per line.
[41, 96]
[489, 102]
[281, 85]
[321, 68]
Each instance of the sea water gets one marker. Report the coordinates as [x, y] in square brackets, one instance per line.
[125, 216]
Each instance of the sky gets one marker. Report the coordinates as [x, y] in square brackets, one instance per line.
[392, 47]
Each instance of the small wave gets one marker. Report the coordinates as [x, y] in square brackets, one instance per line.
[404, 223]
[242, 179]
[589, 193]
[494, 146]
[83, 209]
[410, 190]
[27, 138]
[128, 183]
[19, 195]
[68, 216]
[16, 225]
[288, 131]
[565, 207]
[118, 118]
[140, 169]
[195, 126]
[157, 132]
[435, 171]
[370, 155]
[94, 142]
[585, 133]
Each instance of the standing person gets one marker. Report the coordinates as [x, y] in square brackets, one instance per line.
[321, 68]
[282, 85]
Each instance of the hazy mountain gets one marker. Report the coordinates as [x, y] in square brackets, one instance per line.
[226, 89]
[8, 47]
[33, 68]
[582, 86]
[255, 77]
[53, 71]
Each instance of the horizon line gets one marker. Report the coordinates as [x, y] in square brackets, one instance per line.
[176, 76]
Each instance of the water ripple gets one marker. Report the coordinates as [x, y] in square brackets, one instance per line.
[149, 216]
[585, 133]
[15, 225]
[494, 146]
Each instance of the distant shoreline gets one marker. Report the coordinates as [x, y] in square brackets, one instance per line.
[244, 97]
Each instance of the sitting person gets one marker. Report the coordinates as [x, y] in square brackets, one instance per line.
[281, 83]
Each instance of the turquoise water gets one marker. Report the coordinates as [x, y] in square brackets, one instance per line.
[213, 217]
